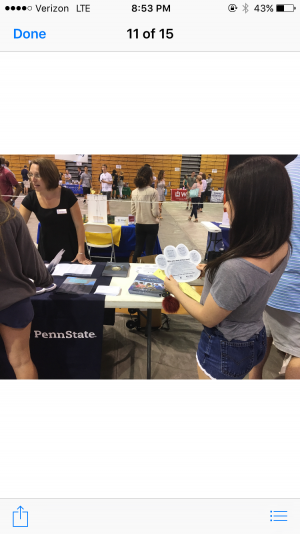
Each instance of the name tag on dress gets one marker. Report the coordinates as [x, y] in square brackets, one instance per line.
[61, 212]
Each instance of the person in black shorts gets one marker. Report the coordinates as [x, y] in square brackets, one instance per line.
[21, 271]
[58, 211]
[115, 178]
[86, 181]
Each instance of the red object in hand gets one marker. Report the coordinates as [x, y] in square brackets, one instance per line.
[170, 304]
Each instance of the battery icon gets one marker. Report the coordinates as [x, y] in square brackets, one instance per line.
[285, 7]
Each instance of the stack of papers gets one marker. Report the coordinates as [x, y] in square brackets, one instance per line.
[68, 268]
[112, 291]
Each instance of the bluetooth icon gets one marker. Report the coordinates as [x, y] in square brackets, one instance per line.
[245, 8]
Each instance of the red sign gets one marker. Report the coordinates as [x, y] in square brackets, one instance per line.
[179, 194]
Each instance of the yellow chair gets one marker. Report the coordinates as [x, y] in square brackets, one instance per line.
[96, 231]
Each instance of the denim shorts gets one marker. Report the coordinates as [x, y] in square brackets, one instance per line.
[18, 315]
[229, 360]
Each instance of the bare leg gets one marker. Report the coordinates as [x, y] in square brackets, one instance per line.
[160, 209]
[16, 342]
[256, 372]
[201, 374]
[108, 209]
[293, 369]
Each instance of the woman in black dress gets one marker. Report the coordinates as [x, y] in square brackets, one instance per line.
[58, 211]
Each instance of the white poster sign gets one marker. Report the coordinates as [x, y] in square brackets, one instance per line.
[77, 158]
[118, 166]
[97, 209]
[177, 169]
[214, 171]
[217, 196]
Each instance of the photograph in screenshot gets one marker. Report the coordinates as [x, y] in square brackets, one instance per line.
[149, 266]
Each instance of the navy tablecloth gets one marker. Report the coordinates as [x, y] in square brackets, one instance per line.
[126, 246]
[66, 333]
[215, 242]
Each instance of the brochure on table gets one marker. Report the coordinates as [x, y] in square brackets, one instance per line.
[179, 262]
[121, 221]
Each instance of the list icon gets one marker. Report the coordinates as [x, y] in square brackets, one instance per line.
[278, 515]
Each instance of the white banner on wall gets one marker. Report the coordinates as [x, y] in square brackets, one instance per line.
[77, 158]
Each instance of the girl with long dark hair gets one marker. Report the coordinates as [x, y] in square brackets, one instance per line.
[238, 283]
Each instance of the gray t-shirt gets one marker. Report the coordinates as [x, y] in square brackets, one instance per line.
[86, 179]
[245, 289]
[191, 180]
[20, 262]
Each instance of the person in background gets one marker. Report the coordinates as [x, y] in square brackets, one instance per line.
[106, 180]
[239, 283]
[6, 164]
[86, 181]
[24, 173]
[21, 270]
[120, 184]
[115, 179]
[185, 182]
[208, 187]
[7, 183]
[126, 190]
[203, 181]
[282, 313]
[79, 173]
[58, 211]
[195, 200]
[154, 183]
[191, 180]
[7, 167]
[68, 177]
[161, 185]
[26, 186]
[144, 205]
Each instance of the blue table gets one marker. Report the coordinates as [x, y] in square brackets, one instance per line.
[74, 188]
[215, 241]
